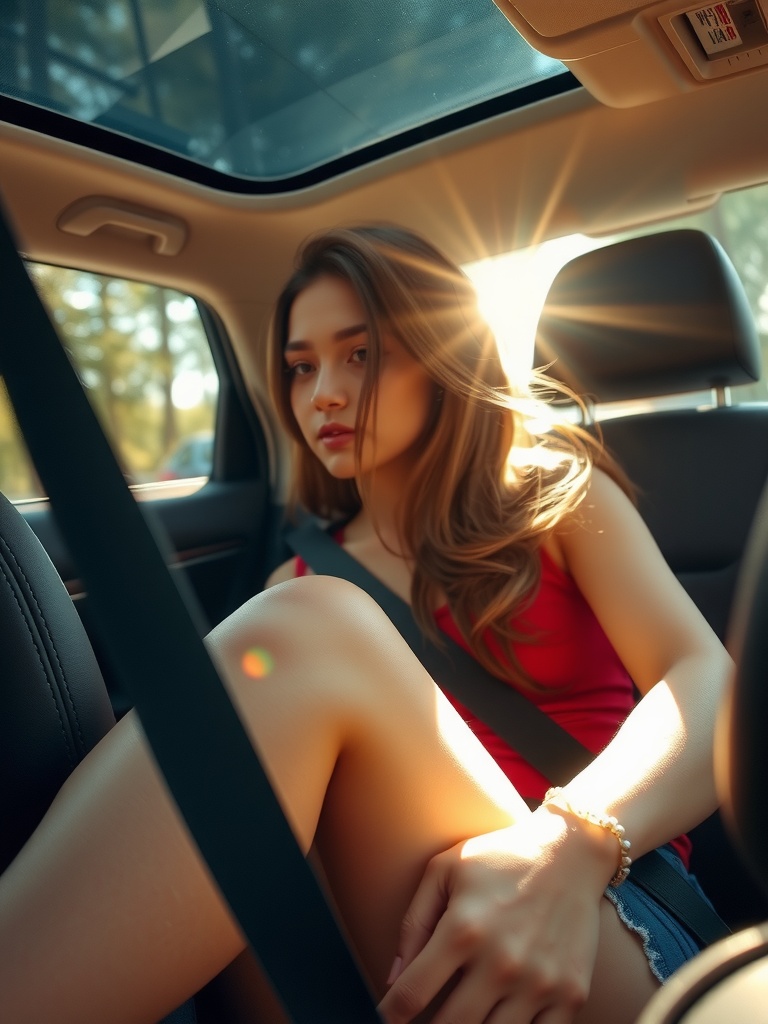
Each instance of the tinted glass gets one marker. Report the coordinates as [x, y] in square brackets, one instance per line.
[143, 357]
[262, 90]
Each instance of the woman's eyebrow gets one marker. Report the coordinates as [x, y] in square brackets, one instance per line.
[350, 332]
[342, 335]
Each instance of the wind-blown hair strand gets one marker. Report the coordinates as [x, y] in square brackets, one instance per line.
[496, 470]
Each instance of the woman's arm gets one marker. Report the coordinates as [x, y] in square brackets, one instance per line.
[655, 776]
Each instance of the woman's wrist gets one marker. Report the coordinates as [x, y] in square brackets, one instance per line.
[607, 838]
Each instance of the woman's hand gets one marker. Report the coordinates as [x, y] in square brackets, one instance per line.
[511, 919]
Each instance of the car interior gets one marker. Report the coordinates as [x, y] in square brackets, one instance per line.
[599, 170]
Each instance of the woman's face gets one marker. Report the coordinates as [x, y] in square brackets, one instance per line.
[325, 353]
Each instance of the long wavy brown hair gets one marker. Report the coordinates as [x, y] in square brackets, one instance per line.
[497, 470]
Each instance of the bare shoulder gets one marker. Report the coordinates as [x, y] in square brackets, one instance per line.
[606, 533]
[286, 571]
[616, 564]
[603, 490]
[605, 503]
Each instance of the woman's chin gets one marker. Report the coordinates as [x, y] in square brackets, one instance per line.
[340, 468]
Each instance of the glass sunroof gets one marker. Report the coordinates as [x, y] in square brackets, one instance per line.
[266, 89]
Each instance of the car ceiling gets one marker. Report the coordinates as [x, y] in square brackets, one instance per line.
[594, 160]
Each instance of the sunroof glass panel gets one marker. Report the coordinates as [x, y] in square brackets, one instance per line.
[262, 90]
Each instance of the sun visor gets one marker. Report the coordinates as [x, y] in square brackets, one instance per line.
[630, 52]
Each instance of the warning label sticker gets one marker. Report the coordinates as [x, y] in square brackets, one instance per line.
[714, 27]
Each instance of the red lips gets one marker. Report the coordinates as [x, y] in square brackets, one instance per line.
[333, 430]
[335, 435]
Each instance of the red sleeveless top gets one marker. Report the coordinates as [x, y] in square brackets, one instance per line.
[583, 684]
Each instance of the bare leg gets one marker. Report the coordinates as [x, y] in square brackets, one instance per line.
[622, 982]
[109, 904]
[108, 914]
[387, 748]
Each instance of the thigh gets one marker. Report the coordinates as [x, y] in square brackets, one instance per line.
[427, 784]
[109, 900]
[623, 982]
[370, 760]
[405, 779]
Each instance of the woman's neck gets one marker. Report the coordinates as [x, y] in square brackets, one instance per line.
[381, 526]
[372, 537]
[382, 513]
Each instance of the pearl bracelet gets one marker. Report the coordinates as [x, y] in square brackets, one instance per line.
[554, 797]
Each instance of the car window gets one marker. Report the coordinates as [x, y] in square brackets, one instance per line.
[143, 357]
[264, 93]
[512, 287]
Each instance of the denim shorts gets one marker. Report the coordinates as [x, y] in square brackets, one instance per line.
[666, 942]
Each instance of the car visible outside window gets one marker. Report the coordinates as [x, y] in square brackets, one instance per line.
[512, 287]
[143, 357]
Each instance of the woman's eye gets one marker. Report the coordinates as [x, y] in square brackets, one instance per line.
[298, 369]
[360, 355]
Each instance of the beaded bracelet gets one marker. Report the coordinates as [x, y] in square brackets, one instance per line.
[556, 798]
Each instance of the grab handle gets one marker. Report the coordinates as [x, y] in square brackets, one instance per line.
[168, 234]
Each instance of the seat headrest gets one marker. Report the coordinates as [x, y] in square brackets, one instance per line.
[657, 315]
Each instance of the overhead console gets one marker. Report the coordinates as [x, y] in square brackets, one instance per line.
[721, 39]
[628, 52]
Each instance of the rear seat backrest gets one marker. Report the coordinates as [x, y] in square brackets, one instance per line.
[659, 315]
[654, 316]
[700, 477]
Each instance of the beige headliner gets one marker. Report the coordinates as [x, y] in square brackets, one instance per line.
[564, 165]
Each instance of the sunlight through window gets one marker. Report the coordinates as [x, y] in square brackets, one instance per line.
[512, 288]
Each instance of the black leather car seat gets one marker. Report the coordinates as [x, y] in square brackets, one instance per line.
[660, 315]
[55, 703]
[729, 981]
[54, 699]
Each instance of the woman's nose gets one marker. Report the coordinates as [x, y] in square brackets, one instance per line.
[329, 392]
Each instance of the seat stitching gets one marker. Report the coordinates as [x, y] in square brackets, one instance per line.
[72, 704]
[6, 550]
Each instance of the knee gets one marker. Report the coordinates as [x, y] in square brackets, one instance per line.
[324, 629]
[332, 607]
[321, 643]
[311, 618]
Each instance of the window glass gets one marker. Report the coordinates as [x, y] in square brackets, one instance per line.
[263, 91]
[512, 287]
[143, 357]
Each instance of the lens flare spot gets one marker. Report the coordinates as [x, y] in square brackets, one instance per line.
[257, 663]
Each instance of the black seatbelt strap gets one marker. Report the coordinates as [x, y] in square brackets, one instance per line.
[521, 724]
[540, 740]
[157, 652]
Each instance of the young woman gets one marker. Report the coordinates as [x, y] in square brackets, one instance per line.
[516, 535]
[411, 818]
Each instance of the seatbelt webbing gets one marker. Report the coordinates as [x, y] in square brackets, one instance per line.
[520, 723]
[157, 652]
[537, 738]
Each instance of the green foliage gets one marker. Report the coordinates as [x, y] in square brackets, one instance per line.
[143, 357]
